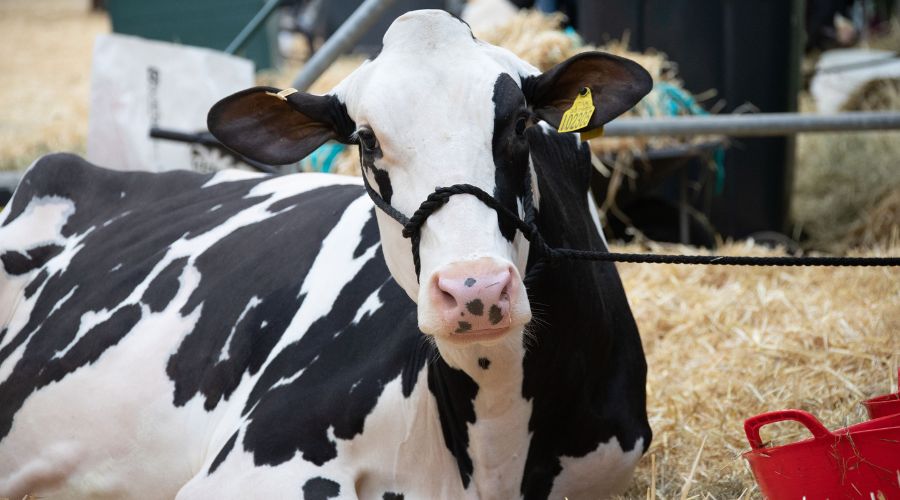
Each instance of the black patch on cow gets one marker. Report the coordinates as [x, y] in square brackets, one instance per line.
[470, 282]
[319, 488]
[475, 307]
[369, 234]
[484, 363]
[223, 453]
[163, 288]
[454, 392]
[16, 263]
[35, 283]
[383, 180]
[495, 314]
[352, 362]
[464, 326]
[586, 377]
[225, 300]
[510, 150]
[367, 159]
[390, 495]
[3, 333]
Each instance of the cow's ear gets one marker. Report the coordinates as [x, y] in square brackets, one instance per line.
[616, 84]
[278, 127]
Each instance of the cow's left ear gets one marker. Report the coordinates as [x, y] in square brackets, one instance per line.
[278, 127]
[616, 84]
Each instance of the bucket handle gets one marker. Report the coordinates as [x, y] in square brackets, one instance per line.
[753, 424]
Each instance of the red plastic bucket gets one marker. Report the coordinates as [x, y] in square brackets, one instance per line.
[858, 462]
[883, 406]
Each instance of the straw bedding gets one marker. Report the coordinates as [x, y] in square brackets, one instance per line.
[722, 343]
[726, 343]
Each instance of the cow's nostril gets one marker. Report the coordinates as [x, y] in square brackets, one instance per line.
[504, 294]
[449, 300]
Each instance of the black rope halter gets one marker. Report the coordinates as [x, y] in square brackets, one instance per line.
[412, 228]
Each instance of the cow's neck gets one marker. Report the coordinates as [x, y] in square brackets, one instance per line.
[483, 415]
[585, 374]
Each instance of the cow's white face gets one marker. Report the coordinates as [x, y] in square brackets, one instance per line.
[426, 116]
[436, 108]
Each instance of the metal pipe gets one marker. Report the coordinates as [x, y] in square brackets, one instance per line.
[341, 41]
[754, 125]
[252, 27]
[207, 139]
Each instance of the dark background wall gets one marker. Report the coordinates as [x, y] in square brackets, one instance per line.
[749, 52]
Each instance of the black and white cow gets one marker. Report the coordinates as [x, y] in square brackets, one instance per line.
[239, 335]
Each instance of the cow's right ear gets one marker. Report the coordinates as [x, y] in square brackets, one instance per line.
[278, 127]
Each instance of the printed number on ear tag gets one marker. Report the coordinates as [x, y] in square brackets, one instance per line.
[579, 115]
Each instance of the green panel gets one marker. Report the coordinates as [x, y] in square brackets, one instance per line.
[202, 23]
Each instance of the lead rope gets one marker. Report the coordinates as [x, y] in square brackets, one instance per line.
[412, 227]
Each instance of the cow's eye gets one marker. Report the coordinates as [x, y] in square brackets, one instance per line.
[521, 125]
[367, 139]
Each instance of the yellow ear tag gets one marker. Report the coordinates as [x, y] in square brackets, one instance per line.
[579, 115]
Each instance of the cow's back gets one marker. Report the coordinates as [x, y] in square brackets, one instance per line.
[133, 305]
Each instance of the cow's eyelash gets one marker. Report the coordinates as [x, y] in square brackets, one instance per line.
[359, 135]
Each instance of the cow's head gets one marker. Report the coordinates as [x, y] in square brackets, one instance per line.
[436, 108]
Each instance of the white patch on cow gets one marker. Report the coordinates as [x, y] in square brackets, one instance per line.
[253, 302]
[289, 380]
[238, 476]
[89, 320]
[116, 267]
[499, 438]
[601, 473]
[595, 215]
[39, 224]
[20, 309]
[231, 175]
[286, 186]
[117, 217]
[215, 207]
[335, 265]
[369, 306]
[129, 441]
[414, 424]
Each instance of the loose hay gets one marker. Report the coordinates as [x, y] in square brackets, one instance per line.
[726, 343]
[840, 177]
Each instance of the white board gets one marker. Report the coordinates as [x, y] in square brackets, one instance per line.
[137, 84]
